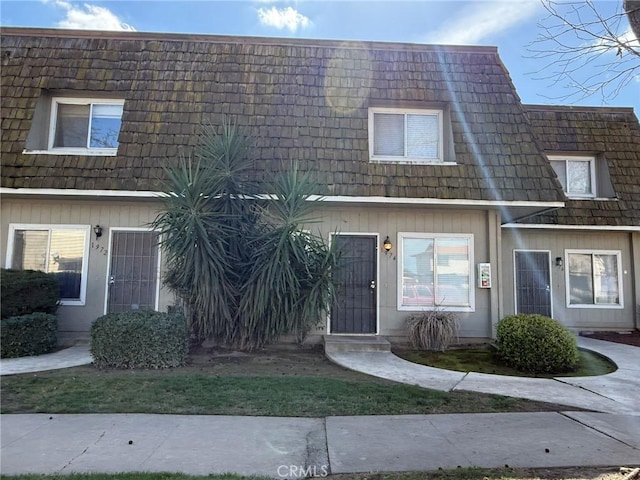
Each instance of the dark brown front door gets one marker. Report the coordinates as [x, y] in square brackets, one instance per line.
[133, 273]
[354, 309]
[533, 282]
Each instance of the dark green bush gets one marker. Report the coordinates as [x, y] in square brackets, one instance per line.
[27, 291]
[537, 344]
[139, 339]
[31, 334]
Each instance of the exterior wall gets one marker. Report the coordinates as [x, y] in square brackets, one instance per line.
[388, 221]
[556, 242]
[75, 321]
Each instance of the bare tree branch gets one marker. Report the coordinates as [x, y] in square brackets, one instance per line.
[587, 52]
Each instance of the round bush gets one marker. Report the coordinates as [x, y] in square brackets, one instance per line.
[32, 334]
[27, 291]
[139, 339]
[537, 344]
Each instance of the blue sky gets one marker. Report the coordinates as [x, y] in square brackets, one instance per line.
[511, 25]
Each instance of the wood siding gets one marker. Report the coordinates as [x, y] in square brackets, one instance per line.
[391, 220]
[75, 321]
[556, 242]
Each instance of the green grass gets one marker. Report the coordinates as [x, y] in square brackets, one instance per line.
[483, 359]
[132, 476]
[151, 392]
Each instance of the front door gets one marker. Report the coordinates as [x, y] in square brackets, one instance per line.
[133, 272]
[533, 282]
[354, 309]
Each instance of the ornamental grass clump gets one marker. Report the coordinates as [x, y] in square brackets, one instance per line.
[537, 344]
[433, 330]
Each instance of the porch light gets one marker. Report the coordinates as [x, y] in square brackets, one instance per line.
[387, 244]
[559, 262]
[98, 231]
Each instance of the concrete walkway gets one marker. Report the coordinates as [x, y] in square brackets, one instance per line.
[300, 447]
[618, 392]
[69, 357]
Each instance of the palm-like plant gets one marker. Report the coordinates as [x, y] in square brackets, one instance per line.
[244, 267]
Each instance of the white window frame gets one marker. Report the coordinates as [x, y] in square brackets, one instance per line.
[405, 159]
[55, 101]
[449, 308]
[592, 171]
[50, 227]
[618, 255]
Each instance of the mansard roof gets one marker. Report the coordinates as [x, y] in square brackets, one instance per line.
[304, 100]
[612, 136]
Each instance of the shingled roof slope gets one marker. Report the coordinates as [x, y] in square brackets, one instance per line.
[302, 99]
[612, 134]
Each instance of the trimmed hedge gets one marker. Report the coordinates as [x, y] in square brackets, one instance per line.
[537, 344]
[31, 334]
[139, 339]
[27, 291]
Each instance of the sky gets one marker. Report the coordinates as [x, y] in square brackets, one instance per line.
[514, 26]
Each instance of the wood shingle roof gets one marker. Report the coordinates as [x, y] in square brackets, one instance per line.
[611, 135]
[302, 100]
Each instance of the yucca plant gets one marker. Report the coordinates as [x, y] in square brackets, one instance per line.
[243, 266]
[432, 330]
[289, 283]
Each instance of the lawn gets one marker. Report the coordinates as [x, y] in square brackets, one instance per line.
[457, 474]
[483, 359]
[273, 383]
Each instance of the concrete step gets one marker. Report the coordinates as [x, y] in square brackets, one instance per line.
[355, 343]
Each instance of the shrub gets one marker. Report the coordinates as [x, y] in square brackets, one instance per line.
[433, 330]
[139, 339]
[27, 291]
[31, 334]
[535, 343]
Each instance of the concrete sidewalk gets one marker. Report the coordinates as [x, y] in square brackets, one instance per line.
[299, 447]
[66, 358]
[617, 392]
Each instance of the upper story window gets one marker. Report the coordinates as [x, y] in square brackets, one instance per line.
[63, 125]
[406, 135]
[80, 125]
[576, 174]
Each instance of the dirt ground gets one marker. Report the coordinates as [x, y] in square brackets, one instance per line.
[628, 338]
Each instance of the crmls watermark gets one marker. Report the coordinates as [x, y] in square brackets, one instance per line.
[300, 471]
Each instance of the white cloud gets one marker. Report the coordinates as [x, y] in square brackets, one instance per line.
[628, 38]
[282, 18]
[89, 17]
[484, 19]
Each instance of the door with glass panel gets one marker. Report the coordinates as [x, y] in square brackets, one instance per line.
[533, 282]
[133, 273]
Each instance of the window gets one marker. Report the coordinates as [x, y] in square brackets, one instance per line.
[61, 250]
[576, 174]
[435, 272]
[408, 136]
[84, 125]
[593, 278]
